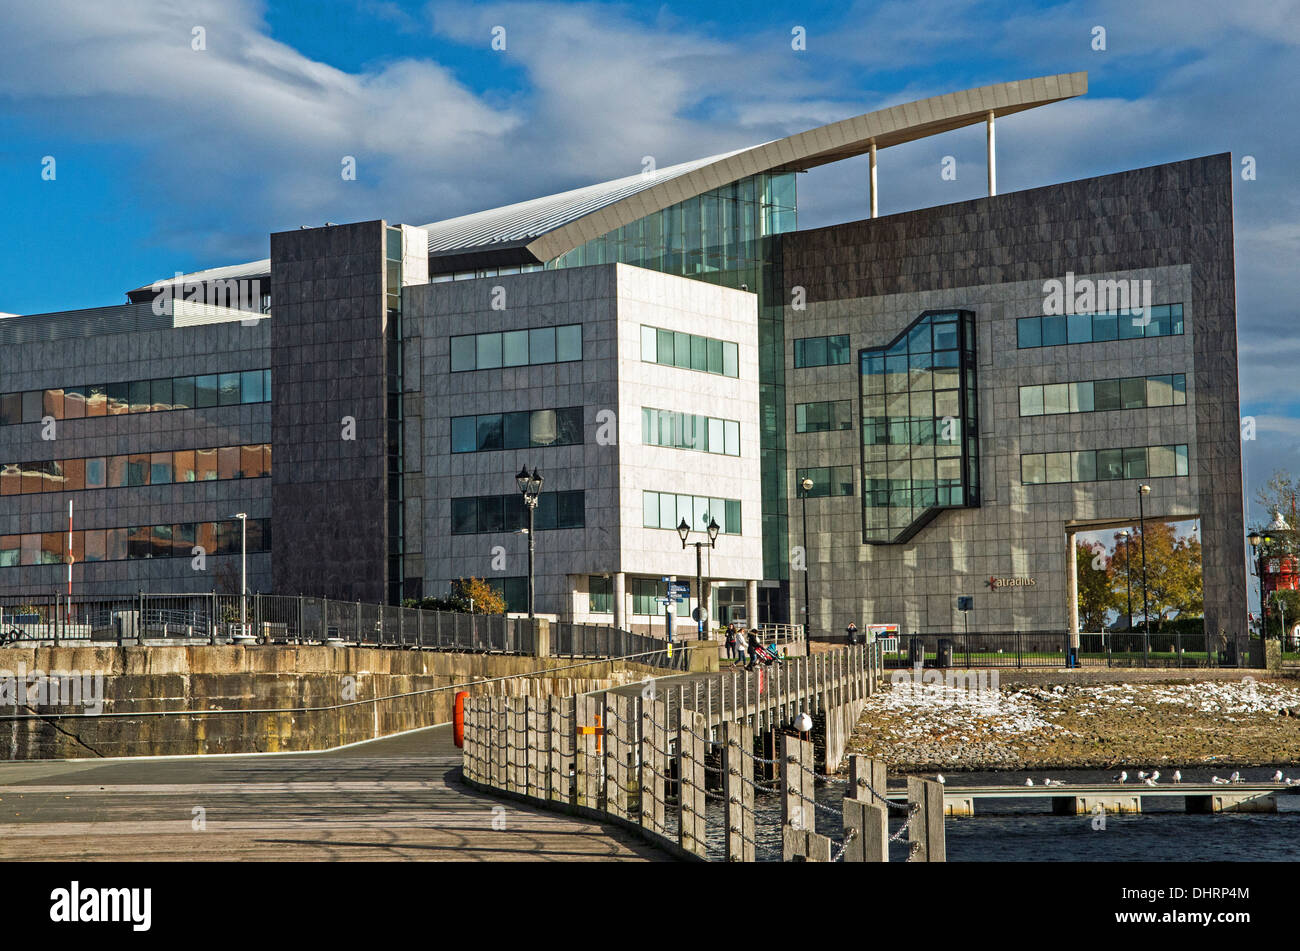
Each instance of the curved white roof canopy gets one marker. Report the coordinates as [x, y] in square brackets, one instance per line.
[536, 231]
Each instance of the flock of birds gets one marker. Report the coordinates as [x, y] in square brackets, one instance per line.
[1153, 778]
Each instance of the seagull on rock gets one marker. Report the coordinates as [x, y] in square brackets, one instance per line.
[1122, 777]
[1155, 777]
[1235, 777]
[1142, 774]
[1277, 777]
[1029, 782]
[1178, 776]
[939, 777]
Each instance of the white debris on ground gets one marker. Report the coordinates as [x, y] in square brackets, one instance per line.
[941, 725]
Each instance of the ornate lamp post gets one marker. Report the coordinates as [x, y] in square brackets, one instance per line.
[1257, 543]
[1143, 491]
[683, 530]
[805, 487]
[530, 487]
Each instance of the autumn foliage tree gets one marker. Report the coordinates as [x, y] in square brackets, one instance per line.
[1173, 572]
[467, 596]
[1097, 595]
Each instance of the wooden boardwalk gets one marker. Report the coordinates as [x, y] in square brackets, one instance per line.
[393, 799]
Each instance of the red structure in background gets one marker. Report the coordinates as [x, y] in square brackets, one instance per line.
[1280, 574]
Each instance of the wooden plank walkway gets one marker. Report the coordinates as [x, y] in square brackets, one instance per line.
[393, 799]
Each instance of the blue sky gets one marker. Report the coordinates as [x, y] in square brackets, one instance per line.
[170, 158]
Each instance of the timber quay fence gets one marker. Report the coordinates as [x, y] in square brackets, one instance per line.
[710, 769]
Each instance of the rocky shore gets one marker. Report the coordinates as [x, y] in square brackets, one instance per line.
[917, 727]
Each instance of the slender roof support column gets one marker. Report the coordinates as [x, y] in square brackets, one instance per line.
[993, 158]
[1072, 586]
[873, 179]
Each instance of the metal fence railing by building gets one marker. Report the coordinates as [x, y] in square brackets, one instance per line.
[1051, 649]
[710, 770]
[151, 618]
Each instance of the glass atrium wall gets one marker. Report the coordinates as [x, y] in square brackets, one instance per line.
[920, 438]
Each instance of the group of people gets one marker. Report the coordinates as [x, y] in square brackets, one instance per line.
[743, 647]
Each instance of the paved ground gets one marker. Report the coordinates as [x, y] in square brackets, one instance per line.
[393, 799]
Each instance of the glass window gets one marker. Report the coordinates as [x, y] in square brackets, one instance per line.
[715, 363]
[266, 384]
[682, 350]
[515, 430]
[228, 462]
[1160, 391]
[1180, 455]
[93, 542]
[139, 393]
[514, 348]
[1105, 327]
[462, 353]
[1130, 327]
[568, 422]
[1161, 461]
[137, 470]
[252, 464]
[1180, 389]
[250, 387]
[184, 538]
[1056, 398]
[814, 352]
[1133, 393]
[1057, 466]
[160, 468]
[11, 409]
[1029, 332]
[464, 516]
[183, 465]
[1032, 470]
[837, 349]
[1054, 331]
[115, 544]
[1110, 463]
[205, 465]
[650, 509]
[160, 394]
[464, 434]
[1085, 466]
[228, 389]
[490, 432]
[487, 351]
[568, 343]
[95, 472]
[569, 510]
[667, 510]
[542, 428]
[699, 353]
[541, 345]
[1105, 395]
[33, 406]
[1135, 463]
[665, 346]
[601, 593]
[730, 359]
[183, 392]
[74, 402]
[648, 348]
[205, 391]
[1081, 398]
[731, 437]
[1079, 328]
[74, 474]
[491, 514]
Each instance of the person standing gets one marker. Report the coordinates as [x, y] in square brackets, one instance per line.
[731, 642]
[852, 631]
[753, 648]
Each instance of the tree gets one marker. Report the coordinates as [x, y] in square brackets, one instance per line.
[1097, 596]
[467, 596]
[1278, 496]
[1173, 572]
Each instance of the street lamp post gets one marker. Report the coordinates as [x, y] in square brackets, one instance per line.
[1128, 579]
[530, 486]
[805, 486]
[1257, 543]
[1143, 491]
[684, 530]
[243, 572]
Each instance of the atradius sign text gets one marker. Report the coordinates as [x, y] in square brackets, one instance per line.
[996, 583]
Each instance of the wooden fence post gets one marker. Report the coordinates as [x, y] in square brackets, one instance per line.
[925, 821]
[865, 812]
[533, 748]
[690, 781]
[500, 736]
[553, 763]
[797, 817]
[569, 749]
[618, 725]
[738, 789]
[653, 764]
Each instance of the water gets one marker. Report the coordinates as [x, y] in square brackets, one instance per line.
[1026, 830]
